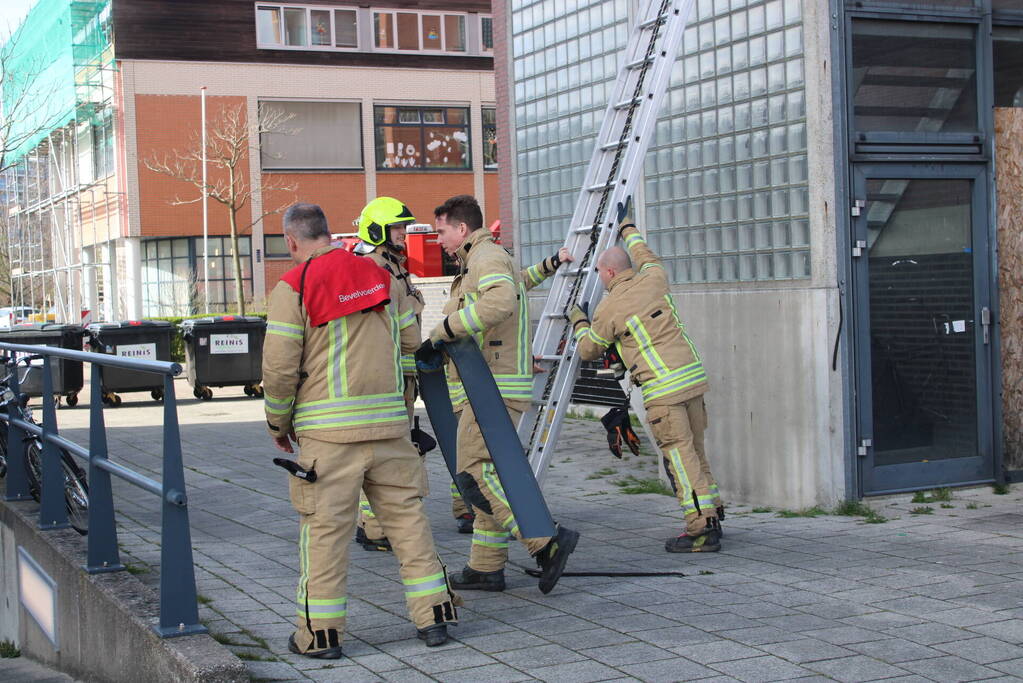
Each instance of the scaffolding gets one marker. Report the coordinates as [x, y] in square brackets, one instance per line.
[62, 207]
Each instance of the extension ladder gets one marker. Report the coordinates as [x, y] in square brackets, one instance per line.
[613, 174]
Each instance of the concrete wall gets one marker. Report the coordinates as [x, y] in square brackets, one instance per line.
[103, 620]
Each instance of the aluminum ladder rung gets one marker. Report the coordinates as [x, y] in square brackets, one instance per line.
[625, 104]
[601, 186]
[549, 357]
[660, 19]
[637, 63]
[617, 144]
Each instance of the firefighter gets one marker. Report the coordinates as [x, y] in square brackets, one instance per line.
[530, 277]
[639, 318]
[381, 230]
[332, 379]
[491, 307]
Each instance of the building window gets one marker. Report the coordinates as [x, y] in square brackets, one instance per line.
[172, 275]
[311, 28]
[914, 76]
[1008, 61]
[275, 246]
[489, 138]
[103, 146]
[319, 136]
[422, 138]
[418, 31]
[487, 34]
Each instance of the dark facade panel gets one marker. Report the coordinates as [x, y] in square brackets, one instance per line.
[225, 31]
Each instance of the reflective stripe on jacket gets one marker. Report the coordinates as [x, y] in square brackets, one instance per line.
[639, 316]
[341, 381]
[530, 277]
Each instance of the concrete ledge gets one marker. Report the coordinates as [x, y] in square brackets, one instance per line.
[103, 620]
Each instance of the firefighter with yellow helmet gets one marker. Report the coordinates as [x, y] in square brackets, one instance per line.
[381, 231]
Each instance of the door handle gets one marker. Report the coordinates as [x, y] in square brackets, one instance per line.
[985, 323]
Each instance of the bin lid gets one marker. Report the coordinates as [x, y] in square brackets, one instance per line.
[35, 328]
[222, 321]
[96, 327]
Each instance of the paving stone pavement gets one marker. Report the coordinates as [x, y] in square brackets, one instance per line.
[933, 593]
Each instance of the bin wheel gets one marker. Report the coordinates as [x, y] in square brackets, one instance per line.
[207, 393]
[157, 394]
[247, 389]
[197, 391]
[71, 399]
[117, 400]
[108, 399]
[257, 390]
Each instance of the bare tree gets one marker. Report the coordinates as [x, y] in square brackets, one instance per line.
[230, 141]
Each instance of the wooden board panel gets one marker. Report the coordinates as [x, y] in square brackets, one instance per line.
[1009, 183]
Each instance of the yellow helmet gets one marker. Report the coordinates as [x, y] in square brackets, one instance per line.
[378, 216]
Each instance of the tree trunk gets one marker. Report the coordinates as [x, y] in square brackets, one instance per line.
[235, 255]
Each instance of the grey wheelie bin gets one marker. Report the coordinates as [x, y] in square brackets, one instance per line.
[141, 339]
[225, 351]
[67, 374]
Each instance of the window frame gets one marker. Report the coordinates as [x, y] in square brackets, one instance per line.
[484, 127]
[314, 169]
[332, 47]
[961, 145]
[468, 168]
[395, 11]
[484, 50]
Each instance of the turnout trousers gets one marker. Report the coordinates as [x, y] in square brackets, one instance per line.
[679, 432]
[388, 472]
[495, 524]
[367, 518]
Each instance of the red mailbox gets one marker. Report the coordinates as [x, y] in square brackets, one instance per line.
[425, 257]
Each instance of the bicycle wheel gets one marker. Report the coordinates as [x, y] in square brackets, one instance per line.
[76, 493]
[34, 468]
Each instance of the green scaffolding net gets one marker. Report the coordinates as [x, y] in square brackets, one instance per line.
[54, 70]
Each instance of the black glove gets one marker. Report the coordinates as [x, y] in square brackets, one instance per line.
[625, 219]
[619, 431]
[423, 441]
[428, 357]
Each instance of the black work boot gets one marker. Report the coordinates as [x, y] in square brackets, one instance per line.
[472, 580]
[554, 556]
[465, 522]
[368, 543]
[328, 653]
[433, 635]
[707, 541]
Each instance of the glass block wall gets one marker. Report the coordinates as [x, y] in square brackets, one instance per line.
[565, 64]
[726, 177]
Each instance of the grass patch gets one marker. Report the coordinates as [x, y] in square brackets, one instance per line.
[760, 511]
[202, 599]
[225, 639]
[249, 657]
[8, 650]
[1000, 489]
[922, 510]
[947, 506]
[815, 511]
[606, 472]
[971, 506]
[135, 569]
[855, 508]
[261, 642]
[935, 496]
[581, 416]
[705, 572]
[633, 485]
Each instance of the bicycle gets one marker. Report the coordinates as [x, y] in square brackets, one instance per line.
[76, 488]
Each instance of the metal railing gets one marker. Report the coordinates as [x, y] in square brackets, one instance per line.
[179, 612]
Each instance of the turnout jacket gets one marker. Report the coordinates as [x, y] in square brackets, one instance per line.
[530, 278]
[409, 300]
[639, 317]
[489, 305]
[340, 381]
